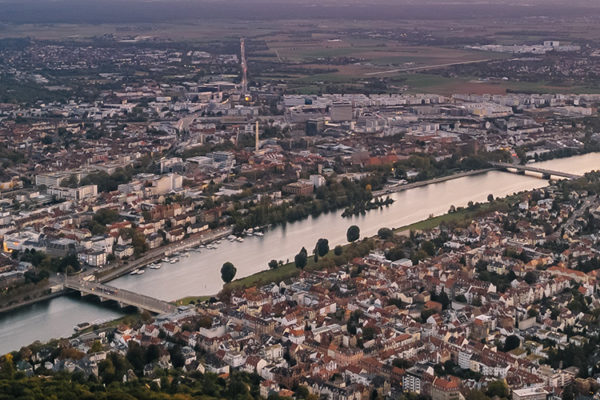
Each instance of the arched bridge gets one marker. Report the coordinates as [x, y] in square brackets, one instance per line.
[544, 172]
[121, 296]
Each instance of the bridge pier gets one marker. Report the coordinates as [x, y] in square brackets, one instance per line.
[545, 173]
[122, 297]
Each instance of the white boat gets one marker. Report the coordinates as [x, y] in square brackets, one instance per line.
[239, 239]
[174, 260]
[141, 271]
[134, 272]
[259, 234]
[82, 326]
[155, 266]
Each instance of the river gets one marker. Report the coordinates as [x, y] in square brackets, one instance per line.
[198, 274]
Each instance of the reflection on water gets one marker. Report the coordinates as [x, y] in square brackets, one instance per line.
[199, 272]
[49, 319]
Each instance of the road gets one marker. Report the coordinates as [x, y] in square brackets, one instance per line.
[587, 203]
[108, 274]
[425, 67]
[121, 296]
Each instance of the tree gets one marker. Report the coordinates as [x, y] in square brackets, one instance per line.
[497, 388]
[96, 347]
[353, 233]
[138, 241]
[301, 258]
[532, 313]
[530, 277]
[136, 356]
[177, 358]
[512, 342]
[322, 247]
[385, 233]
[70, 182]
[426, 314]
[428, 247]
[338, 250]
[7, 367]
[152, 353]
[476, 395]
[442, 298]
[273, 264]
[228, 272]
[490, 197]
[302, 392]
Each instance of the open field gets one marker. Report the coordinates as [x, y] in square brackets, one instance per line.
[317, 55]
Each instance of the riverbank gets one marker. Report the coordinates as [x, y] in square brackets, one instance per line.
[460, 216]
[289, 270]
[108, 274]
[199, 273]
[29, 302]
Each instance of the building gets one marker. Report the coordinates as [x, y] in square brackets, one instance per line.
[317, 180]
[53, 179]
[315, 126]
[22, 240]
[10, 184]
[123, 251]
[533, 393]
[445, 388]
[94, 258]
[341, 112]
[61, 247]
[417, 378]
[80, 193]
[300, 188]
[166, 183]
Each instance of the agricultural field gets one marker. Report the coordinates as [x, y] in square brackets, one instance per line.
[313, 56]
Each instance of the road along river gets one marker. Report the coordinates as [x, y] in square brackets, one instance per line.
[198, 273]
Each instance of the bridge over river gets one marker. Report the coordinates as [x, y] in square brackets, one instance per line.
[545, 172]
[121, 296]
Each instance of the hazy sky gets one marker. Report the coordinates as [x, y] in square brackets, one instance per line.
[95, 11]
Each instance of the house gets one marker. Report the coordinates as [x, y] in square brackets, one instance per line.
[417, 379]
[446, 388]
[175, 235]
[123, 251]
[94, 258]
[532, 393]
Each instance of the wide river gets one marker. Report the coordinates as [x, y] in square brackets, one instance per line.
[199, 273]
